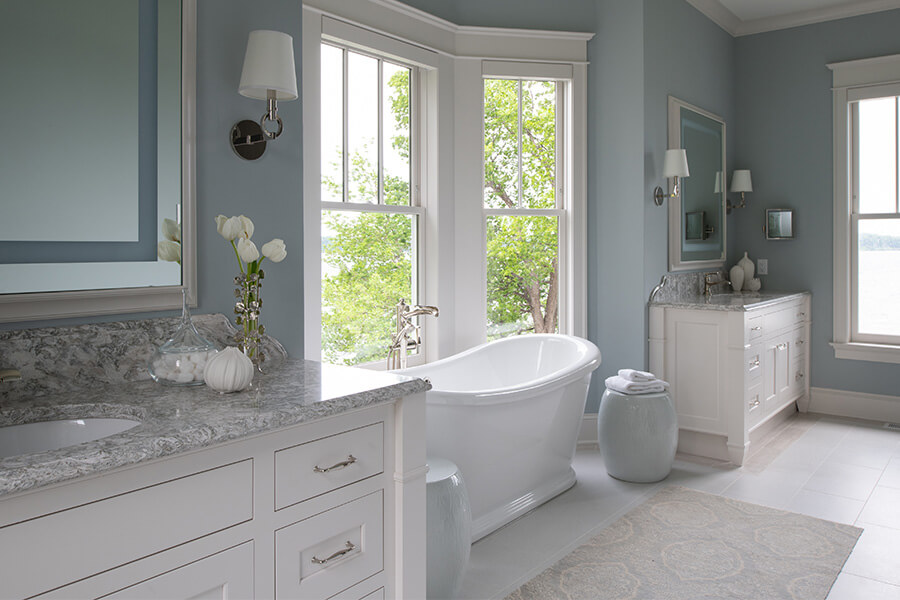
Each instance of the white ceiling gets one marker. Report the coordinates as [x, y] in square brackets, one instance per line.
[744, 17]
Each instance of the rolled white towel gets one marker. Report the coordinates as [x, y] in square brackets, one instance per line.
[635, 375]
[622, 385]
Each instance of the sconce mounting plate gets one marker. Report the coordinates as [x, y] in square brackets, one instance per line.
[248, 139]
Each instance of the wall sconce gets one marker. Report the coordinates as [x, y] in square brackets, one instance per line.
[740, 182]
[675, 165]
[269, 75]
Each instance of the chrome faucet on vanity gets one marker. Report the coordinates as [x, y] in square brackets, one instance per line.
[711, 280]
[401, 340]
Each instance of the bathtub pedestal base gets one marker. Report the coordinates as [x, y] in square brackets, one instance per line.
[500, 516]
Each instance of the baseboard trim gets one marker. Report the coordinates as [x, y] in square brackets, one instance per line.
[587, 435]
[856, 405]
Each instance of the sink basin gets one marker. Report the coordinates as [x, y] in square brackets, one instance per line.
[51, 435]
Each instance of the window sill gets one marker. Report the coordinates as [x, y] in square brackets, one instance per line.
[872, 352]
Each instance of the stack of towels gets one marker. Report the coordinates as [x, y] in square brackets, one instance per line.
[630, 381]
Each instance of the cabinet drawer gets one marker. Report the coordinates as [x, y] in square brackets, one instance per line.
[784, 318]
[314, 468]
[330, 552]
[753, 362]
[753, 328]
[76, 542]
[755, 405]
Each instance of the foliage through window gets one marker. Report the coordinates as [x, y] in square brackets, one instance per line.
[524, 213]
[875, 220]
[370, 219]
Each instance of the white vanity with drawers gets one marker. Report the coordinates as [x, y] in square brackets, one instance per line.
[311, 485]
[737, 364]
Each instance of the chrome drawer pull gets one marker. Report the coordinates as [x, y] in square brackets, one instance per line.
[754, 404]
[781, 346]
[757, 328]
[801, 314]
[321, 561]
[345, 463]
[798, 376]
[754, 362]
[800, 342]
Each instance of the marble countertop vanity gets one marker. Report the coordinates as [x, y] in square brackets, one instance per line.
[175, 420]
[684, 290]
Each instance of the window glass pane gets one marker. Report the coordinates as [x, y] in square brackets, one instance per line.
[878, 156]
[538, 144]
[501, 143]
[522, 275]
[362, 128]
[396, 134]
[879, 276]
[368, 262]
[332, 123]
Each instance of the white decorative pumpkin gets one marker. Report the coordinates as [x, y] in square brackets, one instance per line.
[229, 371]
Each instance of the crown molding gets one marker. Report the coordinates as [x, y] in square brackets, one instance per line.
[716, 12]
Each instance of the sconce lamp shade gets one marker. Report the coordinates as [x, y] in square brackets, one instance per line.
[675, 164]
[740, 181]
[269, 65]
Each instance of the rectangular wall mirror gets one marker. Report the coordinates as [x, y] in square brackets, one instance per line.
[779, 223]
[99, 98]
[697, 215]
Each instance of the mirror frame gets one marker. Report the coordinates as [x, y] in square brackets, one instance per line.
[675, 226]
[57, 305]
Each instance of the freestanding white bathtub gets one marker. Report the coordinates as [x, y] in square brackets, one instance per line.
[508, 414]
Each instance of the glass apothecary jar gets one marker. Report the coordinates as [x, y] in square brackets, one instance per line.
[182, 359]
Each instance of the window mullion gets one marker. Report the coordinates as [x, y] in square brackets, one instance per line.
[519, 140]
[379, 93]
[345, 142]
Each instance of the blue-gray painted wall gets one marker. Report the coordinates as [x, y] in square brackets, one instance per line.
[783, 129]
[269, 190]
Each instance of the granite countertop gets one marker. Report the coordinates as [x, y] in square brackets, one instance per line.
[174, 420]
[728, 301]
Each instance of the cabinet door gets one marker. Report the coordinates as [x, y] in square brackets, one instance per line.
[227, 575]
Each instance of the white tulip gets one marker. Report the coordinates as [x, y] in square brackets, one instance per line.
[229, 228]
[246, 227]
[171, 230]
[274, 250]
[169, 250]
[247, 250]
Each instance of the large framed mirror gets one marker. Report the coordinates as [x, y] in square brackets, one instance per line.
[98, 107]
[697, 215]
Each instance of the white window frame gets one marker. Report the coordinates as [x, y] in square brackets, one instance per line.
[854, 81]
[562, 75]
[452, 145]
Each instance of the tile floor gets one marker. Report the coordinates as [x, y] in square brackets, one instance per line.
[841, 470]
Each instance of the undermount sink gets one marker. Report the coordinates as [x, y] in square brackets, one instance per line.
[52, 435]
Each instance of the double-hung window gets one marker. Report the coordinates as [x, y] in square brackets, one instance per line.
[524, 204]
[867, 210]
[371, 212]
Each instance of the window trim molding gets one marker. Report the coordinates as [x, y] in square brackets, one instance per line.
[849, 80]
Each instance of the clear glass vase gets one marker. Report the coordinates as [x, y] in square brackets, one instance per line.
[182, 359]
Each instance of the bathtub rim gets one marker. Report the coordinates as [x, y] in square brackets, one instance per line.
[587, 363]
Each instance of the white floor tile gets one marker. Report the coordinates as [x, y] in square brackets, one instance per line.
[876, 555]
[863, 452]
[882, 508]
[826, 506]
[773, 487]
[849, 481]
[891, 476]
[853, 587]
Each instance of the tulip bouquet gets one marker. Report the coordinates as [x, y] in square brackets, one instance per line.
[237, 231]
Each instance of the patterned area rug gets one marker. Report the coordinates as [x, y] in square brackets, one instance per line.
[682, 544]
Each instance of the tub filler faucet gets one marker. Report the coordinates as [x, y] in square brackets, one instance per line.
[407, 334]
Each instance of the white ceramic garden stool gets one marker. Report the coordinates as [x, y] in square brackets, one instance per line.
[637, 435]
[449, 529]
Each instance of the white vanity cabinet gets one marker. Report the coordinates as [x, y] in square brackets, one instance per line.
[734, 369]
[334, 508]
